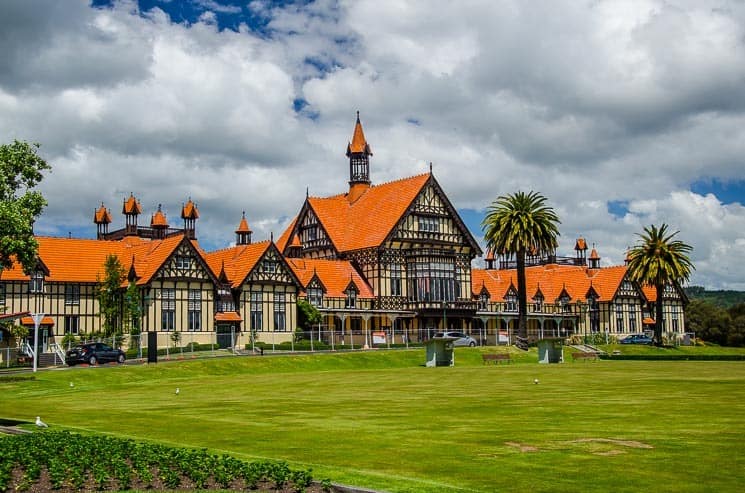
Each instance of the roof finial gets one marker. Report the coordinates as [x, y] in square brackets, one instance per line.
[358, 116]
[307, 192]
[430, 167]
[271, 236]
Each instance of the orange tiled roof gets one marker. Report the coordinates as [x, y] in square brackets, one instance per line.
[335, 275]
[650, 292]
[102, 215]
[237, 261]
[131, 206]
[581, 244]
[358, 144]
[648, 321]
[296, 241]
[82, 260]
[551, 280]
[228, 317]
[30, 321]
[594, 255]
[367, 221]
[285, 237]
[189, 210]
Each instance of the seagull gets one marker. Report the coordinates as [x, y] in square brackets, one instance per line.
[177, 390]
[72, 385]
[40, 423]
[535, 381]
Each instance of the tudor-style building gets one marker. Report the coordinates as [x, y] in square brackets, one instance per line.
[405, 239]
[392, 258]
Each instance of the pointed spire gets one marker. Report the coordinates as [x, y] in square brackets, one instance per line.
[158, 220]
[358, 152]
[243, 233]
[358, 143]
[102, 215]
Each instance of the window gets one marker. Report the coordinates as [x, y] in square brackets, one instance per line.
[257, 309]
[2, 294]
[538, 304]
[429, 224]
[312, 233]
[72, 294]
[675, 312]
[315, 296]
[351, 298]
[269, 266]
[225, 305]
[594, 309]
[183, 262]
[484, 301]
[279, 312]
[396, 280]
[72, 324]
[619, 318]
[36, 283]
[566, 303]
[632, 319]
[432, 279]
[195, 310]
[168, 309]
[511, 302]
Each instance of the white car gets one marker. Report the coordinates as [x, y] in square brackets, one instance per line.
[462, 339]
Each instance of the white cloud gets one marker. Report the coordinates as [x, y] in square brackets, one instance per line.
[586, 102]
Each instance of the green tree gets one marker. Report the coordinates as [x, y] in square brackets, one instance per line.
[132, 312]
[516, 224]
[708, 321]
[20, 171]
[110, 296]
[307, 314]
[658, 260]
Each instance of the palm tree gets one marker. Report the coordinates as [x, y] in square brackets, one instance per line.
[658, 260]
[516, 224]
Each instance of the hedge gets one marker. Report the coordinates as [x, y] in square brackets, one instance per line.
[674, 357]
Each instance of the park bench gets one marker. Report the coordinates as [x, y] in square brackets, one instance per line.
[496, 358]
[585, 356]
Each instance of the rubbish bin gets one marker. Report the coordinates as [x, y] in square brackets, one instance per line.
[440, 351]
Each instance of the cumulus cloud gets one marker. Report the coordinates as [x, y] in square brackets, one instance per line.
[586, 102]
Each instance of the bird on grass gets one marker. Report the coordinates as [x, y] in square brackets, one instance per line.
[40, 423]
[535, 381]
[177, 390]
[72, 385]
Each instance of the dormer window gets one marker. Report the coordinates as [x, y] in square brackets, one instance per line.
[36, 282]
[315, 296]
[538, 304]
[511, 302]
[351, 298]
[564, 302]
[484, 301]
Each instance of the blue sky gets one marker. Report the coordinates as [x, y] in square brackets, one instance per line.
[241, 106]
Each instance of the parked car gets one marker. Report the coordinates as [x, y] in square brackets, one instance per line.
[92, 353]
[463, 339]
[636, 339]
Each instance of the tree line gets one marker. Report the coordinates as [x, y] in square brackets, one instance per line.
[713, 323]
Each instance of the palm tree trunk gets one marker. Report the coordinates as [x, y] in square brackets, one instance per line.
[522, 296]
[658, 320]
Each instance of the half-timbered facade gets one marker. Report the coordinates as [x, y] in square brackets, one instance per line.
[393, 257]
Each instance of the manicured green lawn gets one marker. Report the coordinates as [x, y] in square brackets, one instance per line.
[381, 420]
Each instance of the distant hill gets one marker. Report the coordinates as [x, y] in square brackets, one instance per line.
[722, 298]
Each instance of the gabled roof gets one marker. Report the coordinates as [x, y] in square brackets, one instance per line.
[552, 279]
[159, 219]
[334, 275]
[237, 261]
[82, 260]
[367, 221]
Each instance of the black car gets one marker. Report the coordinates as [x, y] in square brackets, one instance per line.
[93, 353]
[636, 339]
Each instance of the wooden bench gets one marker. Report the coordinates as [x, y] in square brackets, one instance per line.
[496, 358]
[585, 356]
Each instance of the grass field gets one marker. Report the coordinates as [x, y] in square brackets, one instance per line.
[381, 420]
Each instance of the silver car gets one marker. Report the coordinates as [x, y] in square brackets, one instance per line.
[462, 339]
